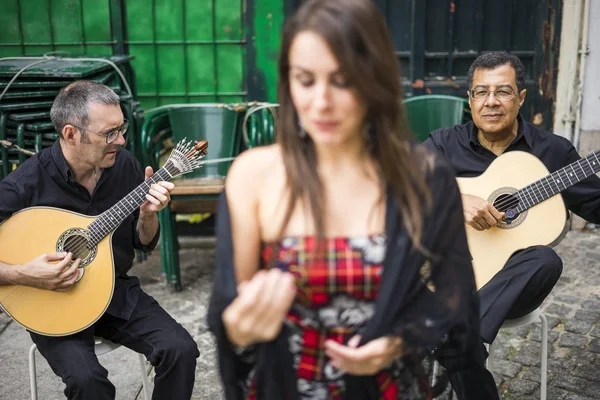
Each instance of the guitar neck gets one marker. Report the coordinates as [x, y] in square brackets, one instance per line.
[110, 220]
[557, 182]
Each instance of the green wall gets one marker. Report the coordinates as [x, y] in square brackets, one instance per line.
[185, 50]
[267, 25]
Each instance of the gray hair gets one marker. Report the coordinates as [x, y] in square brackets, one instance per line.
[71, 106]
[497, 59]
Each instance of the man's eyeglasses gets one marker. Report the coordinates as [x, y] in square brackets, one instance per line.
[500, 94]
[111, 135]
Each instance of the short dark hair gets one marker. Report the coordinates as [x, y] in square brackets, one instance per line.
[495, 60]
[71, 106]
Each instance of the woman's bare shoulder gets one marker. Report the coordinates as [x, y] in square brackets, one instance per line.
[252, 167]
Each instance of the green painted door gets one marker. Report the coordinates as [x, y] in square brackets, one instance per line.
[35, 27]
[185, 51]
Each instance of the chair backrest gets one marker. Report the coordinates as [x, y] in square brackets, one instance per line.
[430, 112]
[217, 124]
[259, 125]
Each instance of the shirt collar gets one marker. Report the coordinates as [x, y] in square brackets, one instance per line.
[60, 162]
[524, 131]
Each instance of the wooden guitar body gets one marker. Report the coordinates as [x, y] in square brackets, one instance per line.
[542, 224]
[45, 311]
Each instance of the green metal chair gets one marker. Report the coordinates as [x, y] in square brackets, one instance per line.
[229, 130]
[260, 125]
[430, 112]
[196, 192]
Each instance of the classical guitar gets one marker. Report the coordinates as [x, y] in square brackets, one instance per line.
[38, 230]
[518, 184]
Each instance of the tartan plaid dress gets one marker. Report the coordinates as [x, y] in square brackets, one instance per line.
[335, 297]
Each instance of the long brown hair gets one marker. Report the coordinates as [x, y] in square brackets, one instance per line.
[357, 36]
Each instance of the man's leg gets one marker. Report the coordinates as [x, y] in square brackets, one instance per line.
[74, 360]
[519, 288]
[463, 356]
[165, 343]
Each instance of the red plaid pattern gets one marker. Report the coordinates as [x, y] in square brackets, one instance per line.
[337, 268]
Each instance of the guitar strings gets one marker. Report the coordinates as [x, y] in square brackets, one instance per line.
[81, 242]
[530, 190]
[102, 229]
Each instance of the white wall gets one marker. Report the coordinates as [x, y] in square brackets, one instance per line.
[590, 112]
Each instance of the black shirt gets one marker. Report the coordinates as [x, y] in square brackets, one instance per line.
[469, 158]
[46, 180]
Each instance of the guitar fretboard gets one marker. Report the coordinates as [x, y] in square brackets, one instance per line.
[114, 216]
[558, 181]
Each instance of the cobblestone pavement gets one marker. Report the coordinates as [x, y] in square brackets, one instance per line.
[573, 311]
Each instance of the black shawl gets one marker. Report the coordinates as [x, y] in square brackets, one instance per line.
[418, 300]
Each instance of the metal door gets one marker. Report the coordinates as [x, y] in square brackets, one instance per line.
[437, 40]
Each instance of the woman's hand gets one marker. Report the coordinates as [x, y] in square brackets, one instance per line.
[368, 359]
[257, 313]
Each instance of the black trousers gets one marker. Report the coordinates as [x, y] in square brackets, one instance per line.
[519, 288]
[150, 331]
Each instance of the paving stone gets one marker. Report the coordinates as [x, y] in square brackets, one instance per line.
[593, 304]
[567, 298]
[553, 322]
[536, 335]
[529, 354]
[522, 331]
[594, 345]
[534, 373]
[516, 396]
[568, 339]
[554, 393]
[578, 385]
[4, 320]
[561, 365]
[504, 367]
[557, 309]
[522, 386]
[582, 322]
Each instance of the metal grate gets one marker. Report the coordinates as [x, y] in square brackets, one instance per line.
[185, 50]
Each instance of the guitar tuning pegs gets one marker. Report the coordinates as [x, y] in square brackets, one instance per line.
[201, 146]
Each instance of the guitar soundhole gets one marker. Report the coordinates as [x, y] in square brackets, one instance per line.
[77, 241]
[78, 245]
[507, 203]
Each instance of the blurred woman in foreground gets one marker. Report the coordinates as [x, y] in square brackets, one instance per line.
[341, 255]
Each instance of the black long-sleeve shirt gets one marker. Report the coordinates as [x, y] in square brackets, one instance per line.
[46, 180]
[469, 158]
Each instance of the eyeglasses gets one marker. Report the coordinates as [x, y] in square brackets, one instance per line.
[111, 135]
[500, 94]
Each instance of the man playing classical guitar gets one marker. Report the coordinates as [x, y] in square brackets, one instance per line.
[86, 171]
[496, 82]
